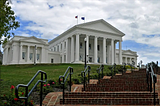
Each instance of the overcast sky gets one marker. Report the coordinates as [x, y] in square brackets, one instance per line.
[138, 19]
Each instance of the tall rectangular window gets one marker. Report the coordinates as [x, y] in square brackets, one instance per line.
[89, 46]
[37, 56]
[23, 55]
[81, 45]
[98, 47]
[31, 56]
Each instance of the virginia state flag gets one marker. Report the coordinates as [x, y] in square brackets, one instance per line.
[83, 18]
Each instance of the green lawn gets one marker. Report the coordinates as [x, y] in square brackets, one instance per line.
[22, 74]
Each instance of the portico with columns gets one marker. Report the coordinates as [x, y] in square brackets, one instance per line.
[101, 39]
[69, 47]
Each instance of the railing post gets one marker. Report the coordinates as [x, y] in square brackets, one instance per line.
[150, 82]
[26, 95]
[41, 89]
[154, 95]
[102, 70]
[84, 81]
[63, 90]
[147, 75]
[70, 79]
[157, 68]
[89, 73]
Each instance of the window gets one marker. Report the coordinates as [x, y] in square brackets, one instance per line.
[31, 56]
[89, 46]
[90, 59]
[80, 57]
[106, 59]
[23, 55]
[37, 57]
[98, 47]
[58, 49]
[98, 60]
[52, 60]
[54, 49]
[106, 48]
[81, 45]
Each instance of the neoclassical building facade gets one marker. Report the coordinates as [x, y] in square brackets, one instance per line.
[69, 47]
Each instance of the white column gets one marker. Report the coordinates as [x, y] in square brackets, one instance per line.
[60, 47]
[136, 62]
[28, 52]
[20, 53]
[43, 55]
[77, 47]
[108, 54]
[67, 50]
[130, 61]
[104, 50]
[6, 55]
[126, 60]
[72, 49]
[112, 50]
[62, 52]
[56, 48]
[35, 54]
[95, 49]
[87, 48]
[14, 54]
[115, 52]
[87, 44]
[120, 52]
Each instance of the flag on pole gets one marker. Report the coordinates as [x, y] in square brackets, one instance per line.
[76, 16]
[83, 18]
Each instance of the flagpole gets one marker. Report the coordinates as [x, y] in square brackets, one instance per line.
[77, 20]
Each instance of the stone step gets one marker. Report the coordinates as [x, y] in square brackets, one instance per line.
[109, 95]
[110, 101]
[117, 88]
[128, 76]
[116, 84]
[122, 80]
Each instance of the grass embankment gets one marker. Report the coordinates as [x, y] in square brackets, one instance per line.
[22, 74]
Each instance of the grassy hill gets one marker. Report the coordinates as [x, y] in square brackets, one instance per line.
[22, 74]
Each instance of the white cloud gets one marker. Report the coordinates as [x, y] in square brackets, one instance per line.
[135, 18]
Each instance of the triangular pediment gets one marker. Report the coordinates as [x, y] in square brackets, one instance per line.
[129, 52]
[101, 25]
[33, 40]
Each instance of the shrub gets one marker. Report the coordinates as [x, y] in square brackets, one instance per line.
[11, 100]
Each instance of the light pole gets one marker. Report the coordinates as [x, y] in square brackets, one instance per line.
[35, 55]
[85, 52]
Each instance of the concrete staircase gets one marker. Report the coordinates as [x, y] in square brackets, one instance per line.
[126, 89]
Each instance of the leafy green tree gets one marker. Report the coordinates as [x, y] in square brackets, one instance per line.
[7, 20]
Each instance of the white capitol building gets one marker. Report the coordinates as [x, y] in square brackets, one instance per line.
[69, 47]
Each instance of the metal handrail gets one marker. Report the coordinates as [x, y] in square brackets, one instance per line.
[26, 86]
[99, 71]
[123, 68]
[157, 68]
[153, 79]
[84, 73]
[64, 80]
[113, 67]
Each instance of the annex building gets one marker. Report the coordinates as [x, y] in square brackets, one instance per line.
[69, 47]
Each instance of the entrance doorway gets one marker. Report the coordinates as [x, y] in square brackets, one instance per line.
[52, 60]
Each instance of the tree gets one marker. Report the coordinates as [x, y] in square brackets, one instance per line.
[7, 20]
